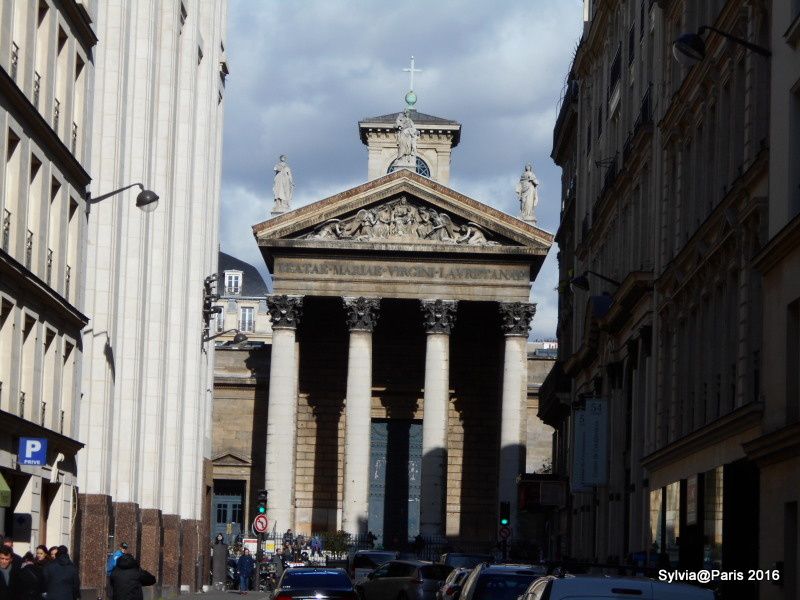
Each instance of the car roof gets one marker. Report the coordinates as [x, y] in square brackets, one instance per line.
[481, 554]
[598, 584]
[416, 563]
[505, 567]
[327, 570]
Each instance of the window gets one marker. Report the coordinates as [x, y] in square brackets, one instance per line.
[219, 321]
[792, 363]
[233, 283]
[422, 167]
[246, 319]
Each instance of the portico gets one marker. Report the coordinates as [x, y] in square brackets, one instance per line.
[398, 305]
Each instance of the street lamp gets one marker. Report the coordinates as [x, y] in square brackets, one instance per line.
[237, 339]
[582, 281]
[690, 48]
[146, 200]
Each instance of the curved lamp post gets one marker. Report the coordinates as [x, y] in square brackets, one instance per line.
[690, 48]
[582, 281]
[146, 200]
[237, 339]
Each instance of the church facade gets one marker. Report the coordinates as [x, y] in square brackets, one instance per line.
[398, 370]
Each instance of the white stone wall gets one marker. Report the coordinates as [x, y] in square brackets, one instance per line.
[157, 119]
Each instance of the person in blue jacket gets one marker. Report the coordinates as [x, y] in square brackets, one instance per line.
[112, 560]
[245, 566]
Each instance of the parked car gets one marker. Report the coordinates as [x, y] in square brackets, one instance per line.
[612, 588]
[403, 580]
[499, 582]
[365, 561]
[464, 560]
[451, 587]
[314, 582]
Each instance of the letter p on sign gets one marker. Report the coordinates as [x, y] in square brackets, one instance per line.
[32, 451]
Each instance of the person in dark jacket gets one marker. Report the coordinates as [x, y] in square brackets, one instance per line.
[127, 579]
[9, 575]
[30, 580]
[61, 580]
[245, 566]
[16, 559]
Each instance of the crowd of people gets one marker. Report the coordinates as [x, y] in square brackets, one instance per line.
[50, 573]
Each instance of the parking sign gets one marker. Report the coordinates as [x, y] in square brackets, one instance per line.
[32, 452]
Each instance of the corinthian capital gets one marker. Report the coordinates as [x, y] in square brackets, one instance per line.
[284, 311]
[517, 317]
[362, 313]
[439, 315]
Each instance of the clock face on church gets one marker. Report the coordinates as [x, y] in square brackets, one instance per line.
[422, 167]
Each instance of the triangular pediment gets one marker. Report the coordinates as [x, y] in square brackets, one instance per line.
[229, 459]
[403, 211]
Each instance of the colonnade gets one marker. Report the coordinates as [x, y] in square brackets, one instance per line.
[362, 314]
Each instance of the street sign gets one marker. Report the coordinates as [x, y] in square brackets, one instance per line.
[504, 532]
[260, 523]
[32, 452]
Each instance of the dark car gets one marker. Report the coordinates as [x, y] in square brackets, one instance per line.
[404, 580]
[451, 588]
[499, 582]
[365, 561]
[314, 582]
[465, 561]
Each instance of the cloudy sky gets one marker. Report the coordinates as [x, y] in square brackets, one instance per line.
[303, 73]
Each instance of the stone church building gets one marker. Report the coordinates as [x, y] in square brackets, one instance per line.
[397, 386]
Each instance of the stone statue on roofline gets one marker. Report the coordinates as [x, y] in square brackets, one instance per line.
[283, 187]
[528, 195]
[407, 135]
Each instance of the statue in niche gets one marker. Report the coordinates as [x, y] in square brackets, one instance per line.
[283, 186]
[528, 194]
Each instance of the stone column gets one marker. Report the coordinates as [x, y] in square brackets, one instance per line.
[439, 317]
[516, 318]
[362, 313]
[285, 312]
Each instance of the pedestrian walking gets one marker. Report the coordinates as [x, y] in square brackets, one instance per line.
[112, 560]
[245, 566]
[41, 556]
[16, 559]
[30, 584]
[128, 578]
[9, 574]
[61, 580]
[316, 545]
[219, 562]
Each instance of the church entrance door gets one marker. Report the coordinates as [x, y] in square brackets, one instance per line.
[395, 481]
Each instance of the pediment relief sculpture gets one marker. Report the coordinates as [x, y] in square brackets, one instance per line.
[402, 220]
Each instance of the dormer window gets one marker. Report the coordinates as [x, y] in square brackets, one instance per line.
[233, 283]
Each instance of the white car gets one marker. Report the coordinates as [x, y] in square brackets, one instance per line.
[588, 587]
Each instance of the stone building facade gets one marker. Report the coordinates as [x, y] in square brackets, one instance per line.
[242, 300]
[157, 110]
[664, 209]
[46, 75]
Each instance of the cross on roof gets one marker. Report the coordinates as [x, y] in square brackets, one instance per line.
[411, 71]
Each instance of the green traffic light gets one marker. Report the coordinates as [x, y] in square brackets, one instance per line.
[503, 521]
[262, 509]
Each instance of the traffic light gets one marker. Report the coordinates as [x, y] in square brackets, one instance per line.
[505, 513]
[262, 502]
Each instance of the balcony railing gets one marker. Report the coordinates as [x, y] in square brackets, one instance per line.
[233, 290]
[37, 86]
[6, 228]
[49, 269]
[14, 60]
[28, 249]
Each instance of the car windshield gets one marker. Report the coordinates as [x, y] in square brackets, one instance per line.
[467, 561]
[439, 572]
[502, 586]
[309, 580]
[371, 560]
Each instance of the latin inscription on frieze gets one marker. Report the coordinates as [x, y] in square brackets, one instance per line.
[329, 269]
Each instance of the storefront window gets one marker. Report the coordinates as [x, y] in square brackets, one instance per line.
[656, 519]
[672, 531]
[712, 528]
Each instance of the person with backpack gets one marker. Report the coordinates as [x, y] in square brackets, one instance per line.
[128, 578]
[112, 560]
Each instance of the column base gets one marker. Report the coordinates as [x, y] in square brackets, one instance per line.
[126, 526]
[92, 529]
[190, 555]
[151, 539]
[170, 555]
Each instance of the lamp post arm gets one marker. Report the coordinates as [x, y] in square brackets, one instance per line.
[604, 278]
[90, 200]
[754, 47]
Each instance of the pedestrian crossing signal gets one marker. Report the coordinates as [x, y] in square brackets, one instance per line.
[505, 513]
[262, 502]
